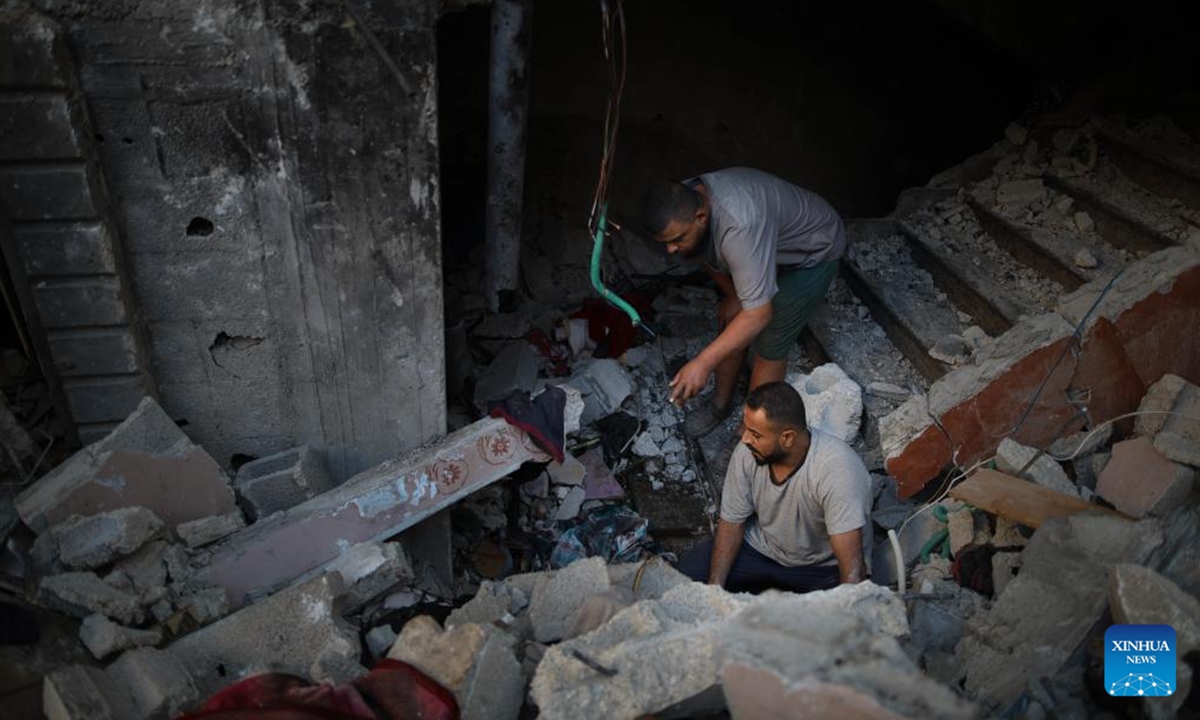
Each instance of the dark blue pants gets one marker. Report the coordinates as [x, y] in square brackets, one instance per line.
[753, 572]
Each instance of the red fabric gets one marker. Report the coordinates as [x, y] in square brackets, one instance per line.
[609, 326]
[392, 691]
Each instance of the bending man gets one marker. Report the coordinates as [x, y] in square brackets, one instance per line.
[771, 247]
[796, 508]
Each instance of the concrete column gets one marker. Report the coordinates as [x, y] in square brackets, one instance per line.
[508, 103]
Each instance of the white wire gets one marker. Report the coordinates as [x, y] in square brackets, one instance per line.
[1072, 456]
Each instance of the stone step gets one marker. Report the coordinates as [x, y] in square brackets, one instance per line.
[902, 297]
[1126, 214]
[1052, 253]
[1170, 171]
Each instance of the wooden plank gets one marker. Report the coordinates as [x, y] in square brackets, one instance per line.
[1020, 500]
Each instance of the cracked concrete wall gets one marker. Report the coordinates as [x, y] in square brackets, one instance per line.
[277, 193]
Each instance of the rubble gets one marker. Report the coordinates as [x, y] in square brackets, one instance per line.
[1063, 576]
[1034, 466]
[603, 384]
[198, 533]
[280, 481]
[82, 593]
[145, 461]
[1139, 481]
[514, 368]
[832, 401]
[553, 607]
[1176, 435]
[475, 662]
[104, 637]
[90, 542]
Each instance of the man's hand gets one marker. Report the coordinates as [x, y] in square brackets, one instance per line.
[690, 380]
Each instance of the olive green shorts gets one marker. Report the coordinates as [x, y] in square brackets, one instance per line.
[800, 291]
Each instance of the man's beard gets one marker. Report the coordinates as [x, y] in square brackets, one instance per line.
[700, 249]
[772, 457]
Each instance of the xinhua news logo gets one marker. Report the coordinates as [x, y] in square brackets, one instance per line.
[1139, 660]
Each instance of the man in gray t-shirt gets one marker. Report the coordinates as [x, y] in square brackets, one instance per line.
[771, 247]
[796, 508]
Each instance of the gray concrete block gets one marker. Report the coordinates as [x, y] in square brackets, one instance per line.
[97, 540]
[102, 637]
[82, 593]
[369, 570]
[553, 607]
[158, 467]
[37, 127]
[288, 632]
[1019, 460]
[604, 385]
[210, 529]
[158, 683]
[514, 368]
[79, 302]
[380, 640]
[271, 484]
[146, 568]
[79, 692]
[86, 351]
[475, 662]
[205, 606]
[51, 192]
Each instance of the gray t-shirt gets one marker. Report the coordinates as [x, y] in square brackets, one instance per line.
[791, 523]
[759, 222]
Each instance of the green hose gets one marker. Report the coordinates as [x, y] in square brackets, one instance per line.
[938, 538]
[609, 295]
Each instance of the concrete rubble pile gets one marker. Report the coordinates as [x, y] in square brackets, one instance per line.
[1014, 615]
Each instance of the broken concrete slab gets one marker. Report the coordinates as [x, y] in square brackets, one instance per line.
[475, 662]
[82, 593]
[514, 368]
[552, 608]
[1140, 596]
[290, 632]
[832, 401]
[146, 569]
[604, 385]
[1178, 438]
[147, 461]
[568, 507]
[678, 637]
[90, 542]
[966, 529]
[369, 570]
[1139, 481]
[79, 692]
[280, 481]
[649, 579]
[198, 533]
[102, 637]
[492, 603]
[377, 503]
[1064, 575]
[1157, 404]
[1033, 465]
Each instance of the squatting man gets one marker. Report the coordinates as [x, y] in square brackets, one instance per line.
[771, 247]
[796, 508]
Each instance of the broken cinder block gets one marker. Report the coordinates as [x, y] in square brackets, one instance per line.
[1139, 481]
[280, 481]
[210, 529]
[86, 543]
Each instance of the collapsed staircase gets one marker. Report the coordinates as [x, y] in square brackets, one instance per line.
[1009, 255]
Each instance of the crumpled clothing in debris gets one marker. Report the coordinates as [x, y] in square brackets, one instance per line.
[616, 534]
[393, 690]
[609, 327]
[540, 418]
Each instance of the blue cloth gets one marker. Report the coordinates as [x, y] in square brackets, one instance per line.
[753, 572]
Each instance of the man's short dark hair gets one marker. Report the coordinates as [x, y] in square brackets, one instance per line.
[667, 200]
[781, 403]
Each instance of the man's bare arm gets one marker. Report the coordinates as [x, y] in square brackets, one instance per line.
[739, 333]
[726, 543]
[847, 548]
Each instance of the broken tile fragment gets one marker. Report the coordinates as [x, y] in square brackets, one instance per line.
[210, 529]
